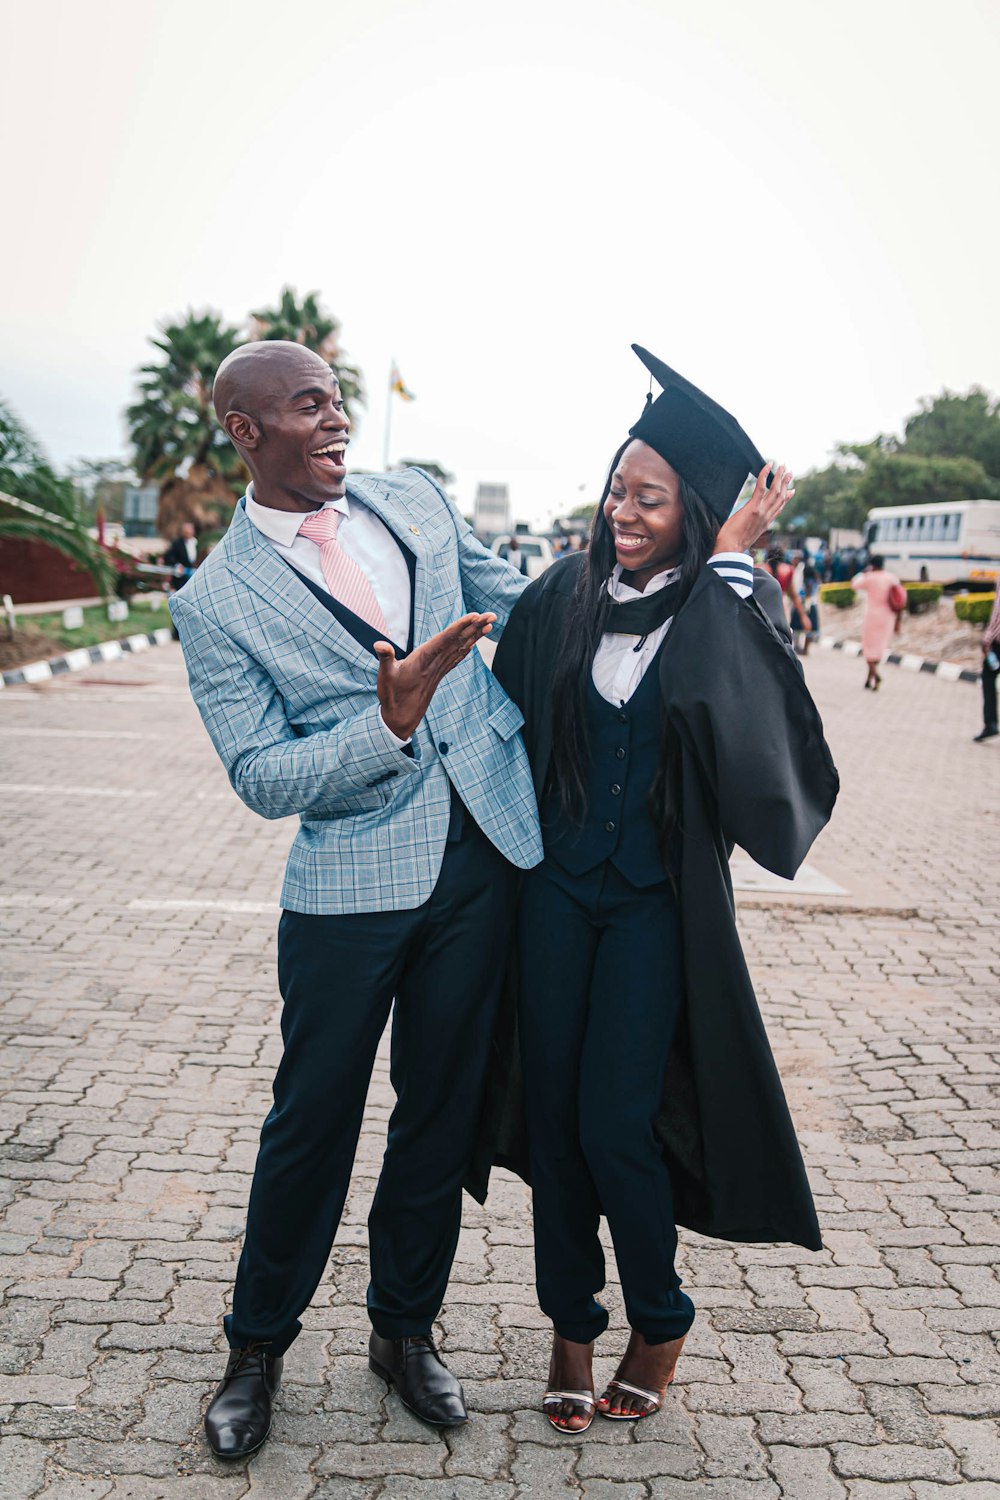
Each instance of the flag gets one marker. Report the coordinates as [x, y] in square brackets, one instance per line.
[396, 384]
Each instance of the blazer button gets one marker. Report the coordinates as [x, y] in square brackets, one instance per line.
[616, 790]
[620, 752]
[443, 747]
[609, 827]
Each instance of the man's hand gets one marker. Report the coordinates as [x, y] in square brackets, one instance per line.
[405, 688]
[760, 512]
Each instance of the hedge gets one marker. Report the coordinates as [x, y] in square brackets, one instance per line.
[920, 596]
[841, 595]
[975, 608]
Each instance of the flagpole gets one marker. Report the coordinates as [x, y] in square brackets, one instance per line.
[388, 422]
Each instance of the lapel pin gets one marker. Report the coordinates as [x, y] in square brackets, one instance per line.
[415, 530]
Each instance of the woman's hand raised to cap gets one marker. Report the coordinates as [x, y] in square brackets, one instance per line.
[742, 530]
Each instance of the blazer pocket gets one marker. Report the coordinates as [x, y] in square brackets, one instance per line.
[506, 719]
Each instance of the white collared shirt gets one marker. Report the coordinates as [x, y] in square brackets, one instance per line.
[621, 660]
[363, 535]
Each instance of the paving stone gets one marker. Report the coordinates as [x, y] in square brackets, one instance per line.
[731, 1449]
[645, 1460]
[895, 1461]
[22, 1465]
[714, 1489]
[805, 1474]
[977, 1445]
[479, 1448]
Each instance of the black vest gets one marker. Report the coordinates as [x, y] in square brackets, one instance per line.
[366, 636]
[363, 633]
[625, 748]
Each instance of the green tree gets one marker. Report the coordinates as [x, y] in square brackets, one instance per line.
[176, 437]
[39, 505]
[953, 426]
[829, 497]
[308, 323]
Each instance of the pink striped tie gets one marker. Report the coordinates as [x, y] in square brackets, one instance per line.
[345, 580]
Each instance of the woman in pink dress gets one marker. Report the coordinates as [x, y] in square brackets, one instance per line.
[881, 615]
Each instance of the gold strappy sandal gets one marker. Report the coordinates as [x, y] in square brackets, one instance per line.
[582, 1398]
[653, 1398]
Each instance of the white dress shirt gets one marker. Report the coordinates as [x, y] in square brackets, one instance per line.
[365, 538]
[191, 547]
[621, 660]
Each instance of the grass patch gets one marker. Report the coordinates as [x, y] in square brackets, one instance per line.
[37, 637]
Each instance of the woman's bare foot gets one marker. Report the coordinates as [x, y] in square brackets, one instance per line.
[650, 1366]
[571, 1368]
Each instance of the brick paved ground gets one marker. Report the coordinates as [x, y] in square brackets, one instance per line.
[139, 1030]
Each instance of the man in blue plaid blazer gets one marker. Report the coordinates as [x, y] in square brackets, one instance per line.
[381, 728]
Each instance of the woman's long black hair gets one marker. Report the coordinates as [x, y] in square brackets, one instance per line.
[586, 624]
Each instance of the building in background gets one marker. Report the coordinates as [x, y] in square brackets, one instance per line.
[139, 509]
[491, 517]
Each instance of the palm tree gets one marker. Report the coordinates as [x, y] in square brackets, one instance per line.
[175, 434]
[308, 323]
[38, 505]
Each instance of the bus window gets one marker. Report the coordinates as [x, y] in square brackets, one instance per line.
[954, 523]
[937, 531]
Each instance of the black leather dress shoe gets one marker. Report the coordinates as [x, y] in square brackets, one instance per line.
[239, 1418]
[985, 734]
[420, 1375]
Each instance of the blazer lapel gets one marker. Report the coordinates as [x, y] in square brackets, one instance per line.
[254, 561]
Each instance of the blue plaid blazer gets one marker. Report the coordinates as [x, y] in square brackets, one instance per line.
[288, 697]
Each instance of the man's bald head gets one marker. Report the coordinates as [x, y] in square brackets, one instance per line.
[282, 410]
[253, 376]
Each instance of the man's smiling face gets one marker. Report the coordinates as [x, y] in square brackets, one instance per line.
[288, 421]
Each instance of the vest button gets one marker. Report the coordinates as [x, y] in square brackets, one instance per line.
[623, 718]
[609, 827]
[616, 790]
[620, 752]
[443, 747]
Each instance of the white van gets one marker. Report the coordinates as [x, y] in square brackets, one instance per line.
[536, 551]
[958, 543]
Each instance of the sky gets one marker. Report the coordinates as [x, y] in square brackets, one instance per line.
[793, 203]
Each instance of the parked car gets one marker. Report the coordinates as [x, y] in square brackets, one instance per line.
[536, 551]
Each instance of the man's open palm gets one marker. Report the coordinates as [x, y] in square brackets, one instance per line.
[405, 688]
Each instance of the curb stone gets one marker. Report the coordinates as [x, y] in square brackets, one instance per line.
[84, 656]
[949, 670]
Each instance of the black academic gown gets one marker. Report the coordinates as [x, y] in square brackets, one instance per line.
[751, 768]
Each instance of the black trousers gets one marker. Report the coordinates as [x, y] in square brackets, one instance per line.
[600, 992]
[989, 696]
[338, 975]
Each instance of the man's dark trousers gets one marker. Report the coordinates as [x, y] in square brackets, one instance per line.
[444, 963]
[989, 696]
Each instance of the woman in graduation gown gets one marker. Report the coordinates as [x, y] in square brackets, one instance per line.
[666, 718]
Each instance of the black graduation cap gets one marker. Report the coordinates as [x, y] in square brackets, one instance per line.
[697, 437]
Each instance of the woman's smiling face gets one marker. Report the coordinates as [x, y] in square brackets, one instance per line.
[645, 514]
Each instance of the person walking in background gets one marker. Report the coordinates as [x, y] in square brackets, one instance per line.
[784, 573]
[885, 599]
[991, 667]
[182, 554]
[516, 557]
[810, 595]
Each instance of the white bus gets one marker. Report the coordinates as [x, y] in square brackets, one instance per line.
[958, 544]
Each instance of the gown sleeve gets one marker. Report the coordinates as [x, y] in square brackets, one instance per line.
[734, 691]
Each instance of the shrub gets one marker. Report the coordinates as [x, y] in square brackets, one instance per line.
[920, 596]
[841, 595]
[974, 608]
